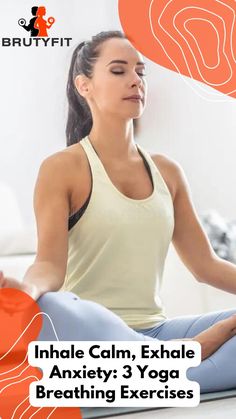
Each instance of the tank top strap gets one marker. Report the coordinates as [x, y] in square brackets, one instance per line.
[91, 154]
[96, 164]
[99, 173]
[99, 176]
[159, 181]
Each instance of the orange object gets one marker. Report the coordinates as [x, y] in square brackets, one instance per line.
[21, 322]
[196, 38]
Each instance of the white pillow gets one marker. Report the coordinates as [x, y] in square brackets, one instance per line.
[15, 238]
[15, 266]
[10, 215]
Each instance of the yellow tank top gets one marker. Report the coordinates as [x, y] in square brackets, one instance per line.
[117, 249]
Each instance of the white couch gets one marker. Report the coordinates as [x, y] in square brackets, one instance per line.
[17, 241]
[183, 294]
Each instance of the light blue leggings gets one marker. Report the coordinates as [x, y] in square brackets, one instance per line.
[68, 317]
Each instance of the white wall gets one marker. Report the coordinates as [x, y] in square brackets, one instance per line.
[33, 85]
[200, 135]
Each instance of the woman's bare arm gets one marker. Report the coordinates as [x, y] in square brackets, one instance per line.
[51, 205]
[197, 254]
[192, 243]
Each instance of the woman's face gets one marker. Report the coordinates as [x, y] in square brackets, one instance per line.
[119, 73]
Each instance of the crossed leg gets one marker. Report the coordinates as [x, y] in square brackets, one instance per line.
[218, 371]
[67, 317]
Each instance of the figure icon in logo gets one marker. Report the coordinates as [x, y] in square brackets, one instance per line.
[41, 24]
[30, 27]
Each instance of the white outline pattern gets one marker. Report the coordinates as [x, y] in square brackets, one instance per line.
[29, 376]
[217, 93]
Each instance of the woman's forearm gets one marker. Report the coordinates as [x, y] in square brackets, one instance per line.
[42, 277]
[220, 274]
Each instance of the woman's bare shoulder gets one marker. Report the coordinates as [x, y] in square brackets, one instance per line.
[66, 156]
[169, 169]
[66, 170]
[63, 166]
[64, 163]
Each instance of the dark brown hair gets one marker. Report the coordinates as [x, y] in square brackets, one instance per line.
[79, 122]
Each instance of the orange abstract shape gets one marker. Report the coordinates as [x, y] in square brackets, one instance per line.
[21, 322]
[196, 38]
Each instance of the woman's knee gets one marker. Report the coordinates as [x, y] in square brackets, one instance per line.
[64, 316]
[76, 319]
[72, 318]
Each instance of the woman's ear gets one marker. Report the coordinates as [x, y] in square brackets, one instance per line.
[81, 84]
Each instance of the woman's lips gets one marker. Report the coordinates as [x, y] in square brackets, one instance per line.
[134, 99]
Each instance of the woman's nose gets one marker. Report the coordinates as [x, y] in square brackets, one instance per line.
[137, 80]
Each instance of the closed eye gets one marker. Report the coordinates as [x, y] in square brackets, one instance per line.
[122, 72]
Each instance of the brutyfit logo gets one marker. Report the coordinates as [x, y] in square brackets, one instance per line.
[38, 28]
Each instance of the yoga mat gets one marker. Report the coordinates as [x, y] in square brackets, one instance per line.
[103, 412]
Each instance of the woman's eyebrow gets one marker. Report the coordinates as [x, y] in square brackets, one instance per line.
[124, 62]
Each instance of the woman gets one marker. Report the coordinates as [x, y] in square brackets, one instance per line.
[124, 206]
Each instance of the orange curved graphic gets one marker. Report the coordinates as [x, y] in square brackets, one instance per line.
[196, 38]
[21, 322]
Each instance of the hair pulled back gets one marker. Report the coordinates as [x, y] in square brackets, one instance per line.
[79, 122]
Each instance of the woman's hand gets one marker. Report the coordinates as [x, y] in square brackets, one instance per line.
[215, 336]
[7, 282]
[13, 306]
